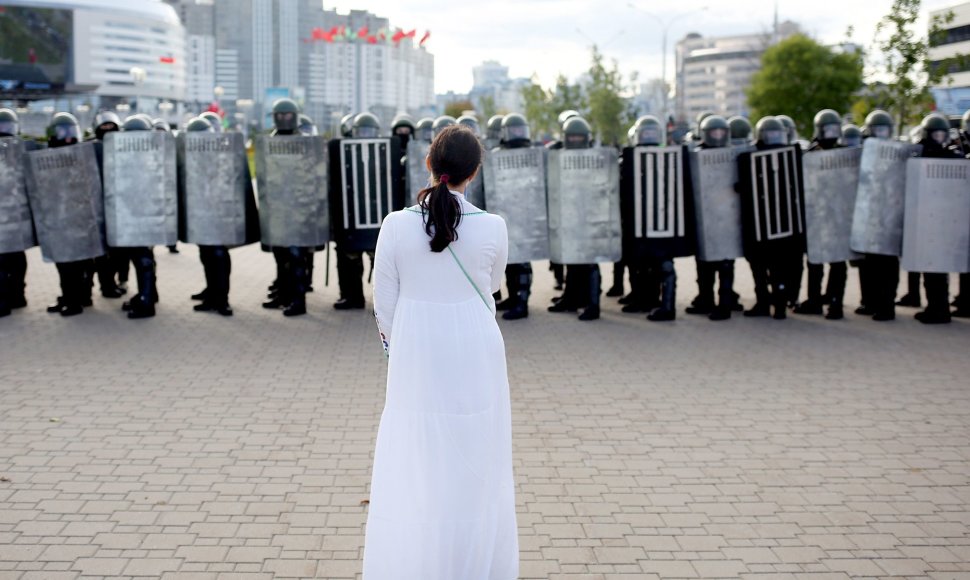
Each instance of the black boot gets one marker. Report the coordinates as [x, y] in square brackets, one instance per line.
[570, 300]
[557, 272]
[298, 280]
[594, 288]
[617, 288]
[725, 292]
[350, 272]
[523, 285]
[937, 299]
[668, 293]
[912, 297]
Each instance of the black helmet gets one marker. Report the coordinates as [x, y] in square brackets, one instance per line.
[567, 115]
[740, 130]
[851, 136]
[771, 132]
[440, 123]
[306, 126]
[879, 124]
[493, 129]
[576, 133]
[515, 128]
[936, 128]
[216, 121]
[715, 131]
[790, 128]
[285, 116]
[648, 130]
[63, 130]
[696, 133]
[402, 124]
[828, 125]
[136, 123]
[471, 122]
[106, 122]
[9, 123]
[200, 125]
[160, 125]
[424, 130]
[366, 126]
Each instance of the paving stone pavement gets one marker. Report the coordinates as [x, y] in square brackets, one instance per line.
[199, 447]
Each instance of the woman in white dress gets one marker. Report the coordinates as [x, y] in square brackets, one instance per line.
[442, 502]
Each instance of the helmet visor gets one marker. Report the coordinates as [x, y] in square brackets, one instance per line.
[854, 141]
[774, 137]
[717, 137]
[365, 132]
[882, 132]
[8, 128]
[940, 136]
[649, 136]
[831, 131]
[285, 121]
[64, 133]
[402, 130]
[518, 132]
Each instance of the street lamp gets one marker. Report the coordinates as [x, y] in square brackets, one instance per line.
[138, 75]
[665, 24]
[218, 91]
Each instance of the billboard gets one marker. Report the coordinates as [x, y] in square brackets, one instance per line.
[35, 48]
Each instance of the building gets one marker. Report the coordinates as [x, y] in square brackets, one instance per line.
[713, 72]
[110, 50]
[491, 81]
[198, 17]
[953, 94]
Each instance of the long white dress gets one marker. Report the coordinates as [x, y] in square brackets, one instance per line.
[442, 502]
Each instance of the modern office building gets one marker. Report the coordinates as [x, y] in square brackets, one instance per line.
[953, 95]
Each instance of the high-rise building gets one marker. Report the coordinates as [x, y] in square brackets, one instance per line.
[953, 95]
[491, 80]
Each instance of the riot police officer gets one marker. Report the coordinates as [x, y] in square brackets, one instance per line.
[13, 265]
[826, 136]
[112, 264]
[403, 128]
[518, 277]
[791, 131]
[740, 131]
[558, 270]
[493, 132]
[64, 131]
[583, 281]
[715, 133]
[962, 301]
[161, 125]
[472, 123]
[292, 270]
[851, 136]
[440, 123]
[306, 126]
[215, 121]
[347, 125]
[936, 144]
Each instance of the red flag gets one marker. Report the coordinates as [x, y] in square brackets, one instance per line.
[317, 33]
[398, 35]
[427, 35]
[362, 33]
[411, 34]
[167, 59]
[372, 40]
[334, 30]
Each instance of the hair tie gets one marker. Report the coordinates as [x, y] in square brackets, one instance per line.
[444, 178]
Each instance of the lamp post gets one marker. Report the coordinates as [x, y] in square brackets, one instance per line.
[665, 25]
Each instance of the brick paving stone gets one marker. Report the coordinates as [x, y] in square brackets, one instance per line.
[196, 447]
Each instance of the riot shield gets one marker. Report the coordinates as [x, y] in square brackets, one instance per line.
[831, 182]
[475, 191]
[291, 180]
[657, 188]
[64, 190]
[366, 187]
[16, 226]
[215, 190]
[936, 227]
[418, 175]
[770, 185]
[140, 193]
[717, 208]
[515, 188]
[584, 205]
[877, 222]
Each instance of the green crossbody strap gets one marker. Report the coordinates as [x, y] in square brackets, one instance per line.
[469, 278]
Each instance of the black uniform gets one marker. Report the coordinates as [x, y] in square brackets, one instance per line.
[115, 261]
[518, 277]
[13, 267]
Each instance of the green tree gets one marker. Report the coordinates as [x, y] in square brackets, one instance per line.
[537, 109]
[799, 77]
[567, 97]
[607, 110]
[907, 64]
[487, 106]
[456, 108]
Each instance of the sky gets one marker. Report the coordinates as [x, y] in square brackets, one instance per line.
[548, 37]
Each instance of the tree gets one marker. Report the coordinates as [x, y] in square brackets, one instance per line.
[457, 108]
[907, 63]
[607, 108]
[799, 77]
[537, 110]
[487, 106]
[566, 97]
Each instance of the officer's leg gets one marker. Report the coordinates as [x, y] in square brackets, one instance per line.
[937, 299]
[557, 272]
[520, 308]
[781, 270]
[205, 257]
[883, 278]
[570, 301]
[309, 270]
[835, 289]
[106, 277]
[120, 262]
[511, 283]
[73, 281]
[282, 290]
[762, 293]
[298, 280]
[725, 291]
[633, 302]
[911, 298]
[668, 291]
[816, 272]
[793, 286]
[18, 279]
[279, 257]
[350, 270]
[593, 286]
[617, 288]
[962, 301]
[143, 305]
[703, 303]
[6, 284]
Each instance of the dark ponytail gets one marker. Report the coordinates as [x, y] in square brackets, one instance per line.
[454, 155]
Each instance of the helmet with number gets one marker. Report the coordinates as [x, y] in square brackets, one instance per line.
[648, 130]
[715, 131]
[286, 115]
[790, 129]
[106, 122]
[424, 130]
[472, 123]
[306, 126]
[9, 123]
[576, 133]
[136, 123]
[851, 136]
[199, 125]
[740, 130]
[216, 121]
[771, 132]
[160, 125]
[936, 128]
[440, 123]
[63, 130]
[493, 129]
[828, 126]
[515, 129]
[879, 124]
[366, 126]
[347, 125]
[402, 124]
